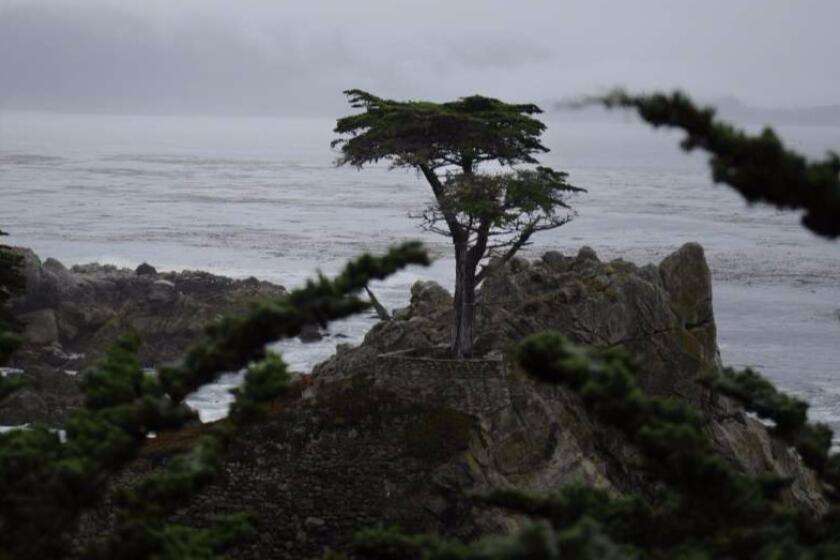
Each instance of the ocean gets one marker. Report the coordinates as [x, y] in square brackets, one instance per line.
[262, 197]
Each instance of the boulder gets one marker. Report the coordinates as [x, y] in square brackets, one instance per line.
[162, 292]
[145, 269]
[587, 253]
[687, 279]
[428, 296]
[310, 333]
[41, 326]
[43, 286]
[58, 272]
[554, 259]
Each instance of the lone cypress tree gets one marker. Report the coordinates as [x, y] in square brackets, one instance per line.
[486, 214]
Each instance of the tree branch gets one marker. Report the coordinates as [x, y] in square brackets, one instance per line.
[476, 253]
[439, 192]
[515, 245]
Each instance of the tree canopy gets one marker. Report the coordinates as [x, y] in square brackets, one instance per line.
[488, 214]
[462, 133]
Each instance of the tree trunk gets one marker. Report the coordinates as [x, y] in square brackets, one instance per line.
[464, 302]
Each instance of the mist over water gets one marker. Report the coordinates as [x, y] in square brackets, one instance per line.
[261, 197]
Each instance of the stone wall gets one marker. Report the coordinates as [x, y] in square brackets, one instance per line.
[476, 387]
[322, 468]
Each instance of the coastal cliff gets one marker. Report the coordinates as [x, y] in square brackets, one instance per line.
[389, 433]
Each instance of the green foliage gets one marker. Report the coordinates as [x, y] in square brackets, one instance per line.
[9, 386]
[789, 419]
[390, 544]
[176, 542]
[709, 496]
[234, 342]
[626, 517]
[502, 211]
[12, 284]
[463, 133]
[536, 541]
[45, 483]
[143, 529]
[760, 167]
[40, 493]
[264, 382]
[487, 215]
[456, 138]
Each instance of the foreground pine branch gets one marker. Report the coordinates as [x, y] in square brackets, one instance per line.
[760, 167]
[45, 483]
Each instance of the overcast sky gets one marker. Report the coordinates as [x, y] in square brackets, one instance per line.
[295, 57]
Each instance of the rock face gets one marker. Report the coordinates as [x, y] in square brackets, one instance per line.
[72, 316]
[386, 435]
[663, 314]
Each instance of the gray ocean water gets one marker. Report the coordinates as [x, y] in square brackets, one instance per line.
[261, 197]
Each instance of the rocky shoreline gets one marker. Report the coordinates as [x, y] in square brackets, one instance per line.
[71, 316]
[385, 434]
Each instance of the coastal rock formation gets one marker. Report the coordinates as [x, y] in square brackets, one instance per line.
[72, 316]
[662, 314]
[386, 434]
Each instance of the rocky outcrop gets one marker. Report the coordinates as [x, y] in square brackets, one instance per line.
[662, 314]
[72, 316]
[383, 434]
